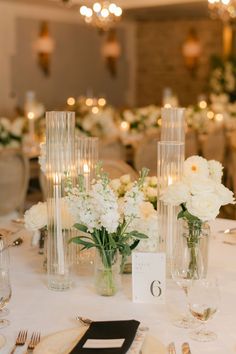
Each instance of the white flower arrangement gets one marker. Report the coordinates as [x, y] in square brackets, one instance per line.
[201, 193]
[11, 132]
[36, 217]
[123, 184]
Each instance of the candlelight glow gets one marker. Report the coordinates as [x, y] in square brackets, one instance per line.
[31, 115]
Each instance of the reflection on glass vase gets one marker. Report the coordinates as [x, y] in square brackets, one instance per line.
[190, 260]
[195, 240]
[107, 272]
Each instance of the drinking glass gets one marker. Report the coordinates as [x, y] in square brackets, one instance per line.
[5, 293]
[4, 269]
[180, 265]
[203, 300]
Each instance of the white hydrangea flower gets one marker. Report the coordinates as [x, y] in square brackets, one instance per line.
[224, 194]
[196, 165]
[125, 179]
[199, 184]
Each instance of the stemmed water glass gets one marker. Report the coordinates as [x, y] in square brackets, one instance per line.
[181, 274]
[203, 300]
[5, 286]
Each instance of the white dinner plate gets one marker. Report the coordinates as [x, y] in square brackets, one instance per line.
[63, 342]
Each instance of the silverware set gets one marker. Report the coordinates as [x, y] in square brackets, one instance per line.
[21, 340]
[185, 348]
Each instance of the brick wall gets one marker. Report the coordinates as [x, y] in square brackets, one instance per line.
[160, 63]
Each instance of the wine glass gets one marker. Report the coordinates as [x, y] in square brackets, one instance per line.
[203, 300]
[5, 293]
[4, 272]
[186, 265]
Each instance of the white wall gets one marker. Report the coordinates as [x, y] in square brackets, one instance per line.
[16, 71]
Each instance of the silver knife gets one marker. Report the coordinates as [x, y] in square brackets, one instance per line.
[186, 348]
[228, 231]
[171, 348]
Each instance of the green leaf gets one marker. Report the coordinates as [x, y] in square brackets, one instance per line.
[134, 245]
[81, 227]
[137, 234]
[80, 241]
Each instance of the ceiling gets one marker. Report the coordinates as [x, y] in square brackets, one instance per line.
[125, 4]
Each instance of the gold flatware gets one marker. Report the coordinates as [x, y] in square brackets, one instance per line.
[34, 340]
[186, 348]
[228, 231]
[15, 243]
[84, 321]
[20, 340]
[171, 348]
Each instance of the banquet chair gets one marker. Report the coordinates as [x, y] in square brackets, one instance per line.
[14, 180]
[112, 150]
[43, 185]
[191, 143]
[213, 146]
[146, 154]
[117, 168]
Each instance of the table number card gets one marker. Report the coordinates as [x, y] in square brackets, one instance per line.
[149, 277]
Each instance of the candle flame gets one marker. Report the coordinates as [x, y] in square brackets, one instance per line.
[86, 168]
[170, 180]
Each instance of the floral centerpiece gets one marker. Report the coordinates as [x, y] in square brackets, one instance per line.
[107, 224]
[11, 132]
[200, 195]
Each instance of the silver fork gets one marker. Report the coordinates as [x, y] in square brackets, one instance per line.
[34, 340]
[20, 340]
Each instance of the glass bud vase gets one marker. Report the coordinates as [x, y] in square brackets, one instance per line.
[107, 272]
[196, 240]
[60, 167]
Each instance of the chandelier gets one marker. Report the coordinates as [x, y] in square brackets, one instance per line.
[223, 9]
[103, 14]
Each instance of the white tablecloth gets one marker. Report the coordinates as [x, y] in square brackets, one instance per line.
[34, 307]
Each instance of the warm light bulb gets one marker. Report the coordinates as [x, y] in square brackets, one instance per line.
[31, 115]
[83, 10]
[112, 8]
[167, 105]
[104, 13]
[71, 101]
[124, 126]
[102, 102]
[89, 12]
[219, 117]
[95, 110]
[118, 11]
[97, 7]
[89, 102]
[210, 115]
[202, 104]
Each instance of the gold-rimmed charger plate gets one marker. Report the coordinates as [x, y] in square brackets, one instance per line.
[64, 341]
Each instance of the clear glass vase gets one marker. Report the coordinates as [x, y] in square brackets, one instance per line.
[60, 165]
[107, 272]
[196, 242]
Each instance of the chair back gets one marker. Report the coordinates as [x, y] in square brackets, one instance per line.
[146, 154]
[112, 150]
[213, 146]
[117, 168]
[14, 179]
[191, 143]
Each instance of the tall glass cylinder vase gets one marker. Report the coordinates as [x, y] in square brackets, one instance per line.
[169, 170]
[86, 158]
[173, 124]
[60, 165]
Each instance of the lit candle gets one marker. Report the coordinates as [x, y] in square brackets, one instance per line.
[58, 223]
[124, 126]
[30, 116]
[86, 173]
[170, 216]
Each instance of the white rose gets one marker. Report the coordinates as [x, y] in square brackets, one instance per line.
[125, 179]
[216, 170]
[199, 184]
[196, 165]
[151, 193]
[5, 122]
[205, 207]
[224, 194]
[36, 217]
[176, 194]
[115, 184]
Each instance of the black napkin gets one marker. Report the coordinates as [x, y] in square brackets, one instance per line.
[108, 330]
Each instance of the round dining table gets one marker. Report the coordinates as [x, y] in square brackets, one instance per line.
[34, 307]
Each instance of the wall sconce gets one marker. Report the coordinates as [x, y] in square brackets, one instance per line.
[191, 50]
[111, 51]
[44, 48]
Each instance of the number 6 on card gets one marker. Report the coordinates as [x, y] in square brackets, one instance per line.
[149, 277]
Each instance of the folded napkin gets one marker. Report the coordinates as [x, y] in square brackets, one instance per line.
[109, 330]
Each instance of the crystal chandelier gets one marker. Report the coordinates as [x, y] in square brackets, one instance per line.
[223, 9]
[103, 14]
